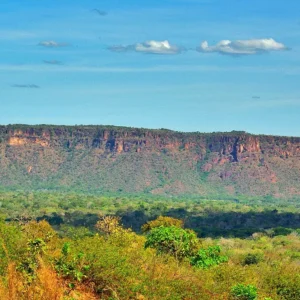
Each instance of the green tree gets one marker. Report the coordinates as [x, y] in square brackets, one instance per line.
[162, 221]
[173, 240]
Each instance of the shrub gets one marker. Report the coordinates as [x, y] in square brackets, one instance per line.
[162, 221]
[244, 292]
[252, 259]
[42, 230]
[71, 267]
[206, 258]
[30, 263]
[172, 240]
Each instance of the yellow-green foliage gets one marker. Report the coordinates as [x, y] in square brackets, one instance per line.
[119, 267]
[108, 225]
[162, 221]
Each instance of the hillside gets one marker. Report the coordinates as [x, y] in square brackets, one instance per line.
[110, 159]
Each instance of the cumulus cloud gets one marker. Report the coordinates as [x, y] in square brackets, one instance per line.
[53, 62]
[243, 47]
[52, 44]
[99, 12]
[28, 86]
[153, 47]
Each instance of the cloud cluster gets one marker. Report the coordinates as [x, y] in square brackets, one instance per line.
[153, 47]
[243, 47]
[52, 44]
[239, 47]
[28, 86]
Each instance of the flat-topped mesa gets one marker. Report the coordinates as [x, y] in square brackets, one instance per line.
[133, 160]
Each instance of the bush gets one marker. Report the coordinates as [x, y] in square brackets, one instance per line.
[36, 230]
[173, 240]
[244, 292]
[206, 258]
[252, 259]
[162, 221]
[30, 263]
[71, 267]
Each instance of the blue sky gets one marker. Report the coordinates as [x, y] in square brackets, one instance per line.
[62, 62]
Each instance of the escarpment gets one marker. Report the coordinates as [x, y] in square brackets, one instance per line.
[131, 160]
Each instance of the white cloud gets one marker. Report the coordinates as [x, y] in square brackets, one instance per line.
[153, 47]
[243, 47]
[52, 44]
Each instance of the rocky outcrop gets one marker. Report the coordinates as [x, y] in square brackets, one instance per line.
[23, 140]
[121, 140]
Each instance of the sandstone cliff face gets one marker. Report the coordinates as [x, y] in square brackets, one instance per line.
[128, 140]
[141, 160]
[22, 140]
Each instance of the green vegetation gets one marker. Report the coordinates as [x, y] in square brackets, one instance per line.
[168, 262]
[162, 221]
[71, 267]
[244, 292]
[252, 258]
[172, 240]
[207, 258]
[207, 217]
